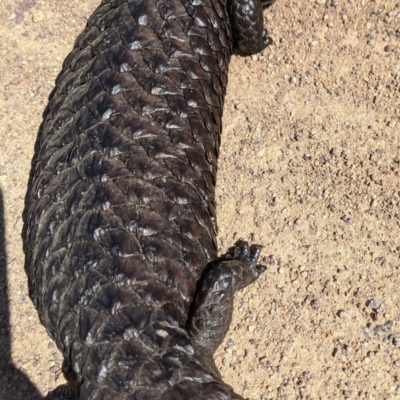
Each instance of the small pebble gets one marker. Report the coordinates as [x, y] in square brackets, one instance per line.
[372, 303]
[349, 349]
[314, 304]
[298, 137]
[346, 155]
[396, 342]
[38, 16]
[374, 156]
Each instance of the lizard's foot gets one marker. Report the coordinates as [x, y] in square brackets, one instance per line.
[249, 255]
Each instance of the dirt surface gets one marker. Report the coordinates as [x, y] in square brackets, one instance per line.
[309, 168]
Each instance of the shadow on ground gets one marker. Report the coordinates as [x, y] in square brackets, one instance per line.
[14, 384]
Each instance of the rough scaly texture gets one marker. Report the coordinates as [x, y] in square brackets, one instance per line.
[120, 211]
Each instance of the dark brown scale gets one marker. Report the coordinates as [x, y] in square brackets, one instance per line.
[120, 231]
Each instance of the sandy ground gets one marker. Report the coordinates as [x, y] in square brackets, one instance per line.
[309, 168]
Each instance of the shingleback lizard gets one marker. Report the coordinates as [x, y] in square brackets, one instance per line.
[119, 223]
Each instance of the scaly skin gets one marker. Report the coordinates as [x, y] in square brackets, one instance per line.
[120, 210]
